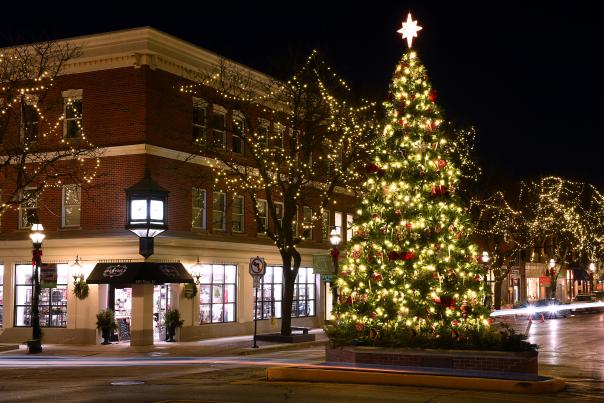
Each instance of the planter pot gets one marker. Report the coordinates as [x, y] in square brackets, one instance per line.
[106, 333]
[171, 332]
[496, 361]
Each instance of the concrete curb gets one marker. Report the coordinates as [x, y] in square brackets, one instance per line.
[314, 374]
[8, 347]
[282, 347]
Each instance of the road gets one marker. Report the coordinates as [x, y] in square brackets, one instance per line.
[571, 348]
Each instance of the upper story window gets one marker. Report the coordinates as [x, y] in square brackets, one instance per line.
[279, 211]
[262, 207]
[71, 205]
[28, 209]
[349, 219]
[307, 222]
[262, 131]
[279, 135]
[219, 211]
[218, 120]
[29, 121]
[325, 224]
[337, 221]
[72, 109]
[238, 128]
[200, 120]
[238, 213]
[198, 212]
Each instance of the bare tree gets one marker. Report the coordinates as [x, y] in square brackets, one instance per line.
[297, 142]
[34, 152]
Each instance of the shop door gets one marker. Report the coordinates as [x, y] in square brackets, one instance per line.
[161, 302]
[120, 301]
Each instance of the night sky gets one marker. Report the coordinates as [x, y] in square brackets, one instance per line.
[528, 77]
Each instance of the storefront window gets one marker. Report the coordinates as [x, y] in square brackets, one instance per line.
[1, 292]
[218, 293]
[271, 293]
[53, 301]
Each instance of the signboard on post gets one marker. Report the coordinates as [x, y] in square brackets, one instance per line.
[257, 266]
[545, 281]
[322, 264]
[48, 275]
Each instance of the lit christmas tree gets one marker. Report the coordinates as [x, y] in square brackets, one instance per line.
[411, 275]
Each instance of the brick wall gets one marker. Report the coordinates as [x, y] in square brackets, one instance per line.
[450, 359]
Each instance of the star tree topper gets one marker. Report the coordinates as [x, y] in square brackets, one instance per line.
[409, 29]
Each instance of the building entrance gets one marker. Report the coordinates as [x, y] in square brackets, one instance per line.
[120, 301]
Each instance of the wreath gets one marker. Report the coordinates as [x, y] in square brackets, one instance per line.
[80, 289]
[190, 295]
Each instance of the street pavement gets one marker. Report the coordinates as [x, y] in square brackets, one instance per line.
[229, 370]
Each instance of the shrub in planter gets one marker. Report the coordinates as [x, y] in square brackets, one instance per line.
[172, 321]
[105, 320]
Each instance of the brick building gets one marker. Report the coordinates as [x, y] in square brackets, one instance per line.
[126, 84]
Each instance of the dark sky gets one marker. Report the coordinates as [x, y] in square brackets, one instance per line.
[527, 76]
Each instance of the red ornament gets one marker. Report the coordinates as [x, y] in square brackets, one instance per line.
[360, 327]
[455, 322]
[373, 315]
[409, 255]
[397, 212]
[432, 95]
[377, 276]
[375, 216]
[433, 192]
[349, 301]
[440, 164]
[422, 174]
[409, 226]
[491, 321]
[356, 254]
[364, 298]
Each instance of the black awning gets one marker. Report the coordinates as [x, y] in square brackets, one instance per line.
[580, 274]
[139, 272]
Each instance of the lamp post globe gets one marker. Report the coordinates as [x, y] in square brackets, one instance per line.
[334, 239]
[37, 236]
[147, 212]
[485, 258]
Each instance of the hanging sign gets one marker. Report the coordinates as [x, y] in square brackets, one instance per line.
[322, 264]
[545, 281]
[48, 275]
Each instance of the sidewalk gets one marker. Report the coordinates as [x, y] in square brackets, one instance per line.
[238, 345]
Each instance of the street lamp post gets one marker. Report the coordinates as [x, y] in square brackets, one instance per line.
[335, 238]
[147, 212]
[37, 236]
[485, 262]
[551, 273]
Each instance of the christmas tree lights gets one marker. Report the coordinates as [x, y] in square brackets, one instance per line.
[411, 275]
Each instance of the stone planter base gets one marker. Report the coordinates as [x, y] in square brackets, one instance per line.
[497, 361]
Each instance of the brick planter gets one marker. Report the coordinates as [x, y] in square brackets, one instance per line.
[498, 361]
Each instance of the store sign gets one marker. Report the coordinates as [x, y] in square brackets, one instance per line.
[322, 264]
[48, 275]
[515, 272]
[114, 271]
[545, 281]
[189, 290]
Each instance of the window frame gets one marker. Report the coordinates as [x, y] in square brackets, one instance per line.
[339, 222]
[240, 215]
[202, 211]
[280, 220]
[265, 217]
[349, 223]
[223, 211]
[69, 98]
[239, 135]
[269, 299]
[199, 104]
[325, 224]
[219, 110]
[263, 129]
[64, 206]
[26, 126]
[34, 200]
[63, 287]
[307, 224]
[212, 284]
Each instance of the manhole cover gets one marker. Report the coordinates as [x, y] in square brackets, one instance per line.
[127, 383]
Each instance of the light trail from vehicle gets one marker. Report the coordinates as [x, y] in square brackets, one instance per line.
[548, 308]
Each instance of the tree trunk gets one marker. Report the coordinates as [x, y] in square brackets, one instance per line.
[497, 296]
[289, 275]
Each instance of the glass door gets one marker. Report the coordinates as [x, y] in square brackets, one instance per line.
[161, 302]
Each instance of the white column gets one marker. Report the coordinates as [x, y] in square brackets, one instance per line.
[141, 327]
